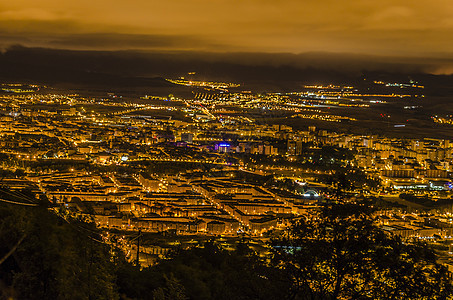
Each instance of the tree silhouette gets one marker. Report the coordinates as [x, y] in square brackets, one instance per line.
[340, 254]
[56, 259]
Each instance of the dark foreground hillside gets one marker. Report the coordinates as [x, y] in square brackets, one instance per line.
[337, 254]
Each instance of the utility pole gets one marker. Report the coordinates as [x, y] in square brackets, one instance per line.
[138, 247]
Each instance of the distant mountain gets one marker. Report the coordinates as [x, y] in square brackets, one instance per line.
[255, 71]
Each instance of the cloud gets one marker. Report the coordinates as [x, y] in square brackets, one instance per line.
[408, 27]
[107, 41]
[63, 34]
[29, 13]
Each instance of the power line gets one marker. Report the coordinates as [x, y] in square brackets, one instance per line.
[139, 235]
[18, 195]
[12, 249]
[19, 203]
[77, 227]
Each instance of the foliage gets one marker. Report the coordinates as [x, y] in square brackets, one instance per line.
[207, 272]
[56, 260]
[340, 254]
[425, 200]
[336, 254]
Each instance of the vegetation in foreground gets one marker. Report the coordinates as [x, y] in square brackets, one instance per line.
[336, 254]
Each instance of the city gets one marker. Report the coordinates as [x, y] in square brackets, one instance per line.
[223, 150]
[155, 174]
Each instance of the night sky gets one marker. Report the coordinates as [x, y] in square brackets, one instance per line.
[417, 28]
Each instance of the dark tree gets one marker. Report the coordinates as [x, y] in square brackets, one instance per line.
[207, 272]
[341, 254]
[52, 258]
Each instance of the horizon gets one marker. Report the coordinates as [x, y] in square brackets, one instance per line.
[312, 59]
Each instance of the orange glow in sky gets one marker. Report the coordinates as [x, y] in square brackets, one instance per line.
[385, 27]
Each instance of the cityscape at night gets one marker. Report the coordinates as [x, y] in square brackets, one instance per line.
[226, 150]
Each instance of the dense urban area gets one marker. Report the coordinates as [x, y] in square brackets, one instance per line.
[226, 178]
